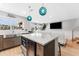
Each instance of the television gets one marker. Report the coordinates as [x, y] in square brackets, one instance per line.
[57, 25]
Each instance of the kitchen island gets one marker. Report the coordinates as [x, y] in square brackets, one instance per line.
[39, 44]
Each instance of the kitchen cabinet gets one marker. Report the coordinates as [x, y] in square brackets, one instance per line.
[1, 37]
[31, 48]
[37, 49]
[46, 50]
[10, 42]
[40, 50]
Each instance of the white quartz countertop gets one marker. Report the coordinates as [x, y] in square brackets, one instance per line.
[11, 32]
[41, 38]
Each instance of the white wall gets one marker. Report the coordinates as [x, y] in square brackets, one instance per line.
[67, 27]
[70, 25]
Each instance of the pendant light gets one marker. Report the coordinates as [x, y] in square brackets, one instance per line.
[29, 17]
[42, 10]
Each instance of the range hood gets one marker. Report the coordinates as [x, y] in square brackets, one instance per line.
[55, 11]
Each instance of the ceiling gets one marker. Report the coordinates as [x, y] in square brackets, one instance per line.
[55, 11]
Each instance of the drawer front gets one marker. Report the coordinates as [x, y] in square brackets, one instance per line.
[39, 50]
